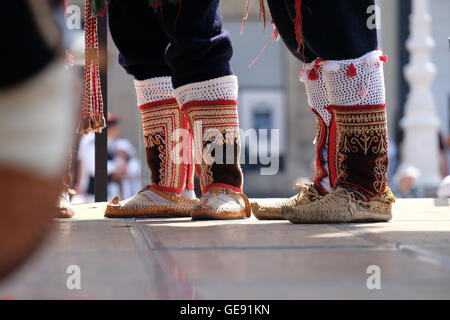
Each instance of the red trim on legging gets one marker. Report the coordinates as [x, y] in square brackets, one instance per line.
[221, 185]
[208, 103]
[159, 103]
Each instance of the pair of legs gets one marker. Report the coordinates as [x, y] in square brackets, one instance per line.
[179, 56]
[344, 81]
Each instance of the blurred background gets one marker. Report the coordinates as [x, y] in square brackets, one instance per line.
[271, 97]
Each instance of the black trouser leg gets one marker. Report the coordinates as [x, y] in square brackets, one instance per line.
[333, 30]
[185, 41]
[137, 33]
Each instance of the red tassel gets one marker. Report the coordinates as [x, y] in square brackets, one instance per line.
[313, 75]
[92, 106]
[352, 71]
[298, 24]
[262, 12]
[384, 58]
[318, 62]
[245, 16]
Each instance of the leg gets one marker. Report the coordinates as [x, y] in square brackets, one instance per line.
[351, 70]
[281, 12]
[199, 48]
[335, 30]
[284, 22]
[137, 34]
[142, 43]
[200, 53]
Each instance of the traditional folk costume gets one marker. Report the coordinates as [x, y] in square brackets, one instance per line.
[343, 75]
[179, 55]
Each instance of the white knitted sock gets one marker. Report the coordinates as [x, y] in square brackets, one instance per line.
[154, 89]
[357, 81]
[223, 88]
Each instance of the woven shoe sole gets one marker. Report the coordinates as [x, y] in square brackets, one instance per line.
[157, 212]
[358, 216]
[273, 211]
[340, 206]
[205, 214]
[144, 206]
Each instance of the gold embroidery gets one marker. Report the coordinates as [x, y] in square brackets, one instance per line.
[319, 171]
[160, 123]
[380, 174]
[361, 146]
[219, 125]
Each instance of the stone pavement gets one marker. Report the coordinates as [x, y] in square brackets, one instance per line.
[251, 259]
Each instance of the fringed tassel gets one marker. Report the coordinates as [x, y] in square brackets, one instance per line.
[92, 117]
[262, 12]
[158, 4]
[313, 75]
[244, 20]
[273, 37]
[262, 17]
[98, 8]
[299, 28]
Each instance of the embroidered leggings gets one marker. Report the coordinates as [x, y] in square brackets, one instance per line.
[186, 42]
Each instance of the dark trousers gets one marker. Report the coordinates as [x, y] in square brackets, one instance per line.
[24, 48]
[332, 29]
[187, 42]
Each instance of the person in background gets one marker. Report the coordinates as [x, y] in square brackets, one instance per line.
[444, 188]
[123, 167]
[405, 182]
[128, 182]
[443, 165]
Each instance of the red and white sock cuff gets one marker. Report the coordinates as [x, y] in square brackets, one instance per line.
[153, 90]
[218, 89]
